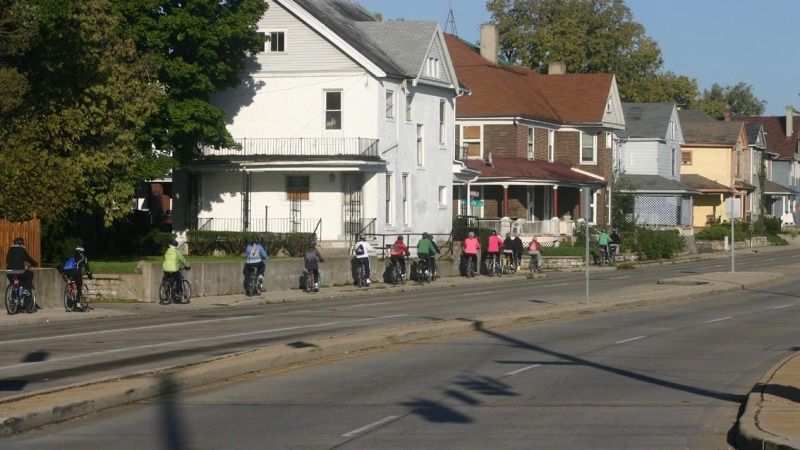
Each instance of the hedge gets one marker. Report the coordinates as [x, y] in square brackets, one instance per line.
[207, 243]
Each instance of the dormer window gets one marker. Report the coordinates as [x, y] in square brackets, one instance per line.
[432, 67]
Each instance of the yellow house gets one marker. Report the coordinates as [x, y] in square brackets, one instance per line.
[713, 163]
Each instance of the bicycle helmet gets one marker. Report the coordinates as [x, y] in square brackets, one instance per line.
[426, 236]
[399, 238]
[312, 243]
[173, 243]
[79, 249]
[19, 241]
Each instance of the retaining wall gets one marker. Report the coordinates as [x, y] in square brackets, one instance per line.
[49, 287]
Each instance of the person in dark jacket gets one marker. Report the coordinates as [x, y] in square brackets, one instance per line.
[517, 246]
[311, 260]
[73, 269]
[18, 262]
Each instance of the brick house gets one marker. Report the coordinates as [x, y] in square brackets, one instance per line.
[536, 139]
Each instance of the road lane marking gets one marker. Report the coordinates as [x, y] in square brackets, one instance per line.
[514, 372]
[620, 278]
[477, 293]
[718, 320]
[718, 265]
[625, 341]
[358, 431]
[193, 340]
[365, 305]
[782, 307]
[553, 284]
[120, 330]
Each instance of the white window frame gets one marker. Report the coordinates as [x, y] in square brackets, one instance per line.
[530, 143]
[442, 123]
[442, 197]
[593, 161]
[551, 145]
[408, 106]
[389, 204]
[609, 139]
[268, 43]
[432, 67]
[406, 199]
[420, 145]
[464, 141]
[389, 106]
[340, 110]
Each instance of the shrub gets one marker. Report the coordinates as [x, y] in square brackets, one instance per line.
[295, 244]
[774, 239]
[658, 244]
[155, 242]
[207, 243]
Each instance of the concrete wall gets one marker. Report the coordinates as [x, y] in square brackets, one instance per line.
[49, 288]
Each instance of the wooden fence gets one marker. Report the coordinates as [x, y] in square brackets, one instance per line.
[30, 231]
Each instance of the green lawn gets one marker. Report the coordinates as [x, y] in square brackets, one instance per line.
[563, 251]
[128, 264]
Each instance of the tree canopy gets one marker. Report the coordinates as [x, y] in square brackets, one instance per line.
[740, 98]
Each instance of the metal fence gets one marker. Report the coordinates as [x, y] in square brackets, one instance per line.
[272, 225]
[315, 147]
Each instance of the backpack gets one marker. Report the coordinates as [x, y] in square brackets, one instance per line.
[534, 246]
[359, 249]
[71, 264]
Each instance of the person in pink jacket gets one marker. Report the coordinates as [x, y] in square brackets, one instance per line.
[494, 247]
[471, 247]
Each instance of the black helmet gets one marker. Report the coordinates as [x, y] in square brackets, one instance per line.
[425, 235]
[400, 238]
[312, 243]
[173, 243]
[19, 241]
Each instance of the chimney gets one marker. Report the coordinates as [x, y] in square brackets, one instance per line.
[789, 121]
[557, 68]
[489, 40]
[728, 113]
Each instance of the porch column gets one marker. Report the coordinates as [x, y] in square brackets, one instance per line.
[505, 200]
[555, 201]
[581, 206]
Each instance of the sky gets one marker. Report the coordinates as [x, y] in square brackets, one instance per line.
[712, 41]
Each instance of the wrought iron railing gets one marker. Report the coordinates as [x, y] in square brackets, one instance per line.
[272, 225]
[312, 147]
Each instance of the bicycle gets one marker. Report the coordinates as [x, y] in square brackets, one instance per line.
[424, 272]
[17, 298]
[494, 266]
[535, 265]
[510, 263]
[395, 274]
[71, 295]
[361, 273]
[469, 266]
[168, 291]
[253, 285]
[310, 281]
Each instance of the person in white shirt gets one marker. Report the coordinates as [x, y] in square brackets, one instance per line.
[361, 251]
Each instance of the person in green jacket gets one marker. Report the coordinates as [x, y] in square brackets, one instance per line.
[603, 241]
[427, 250]
[173, 263]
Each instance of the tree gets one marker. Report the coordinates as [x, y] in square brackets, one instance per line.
[664, 87]
[740, 98]
[80, 91]
[197, 48]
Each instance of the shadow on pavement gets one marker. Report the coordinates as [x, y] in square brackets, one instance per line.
[436, 412]
[790, 393]
[172, 427]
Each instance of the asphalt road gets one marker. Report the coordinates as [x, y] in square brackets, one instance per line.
[36, 357]
[662, 377]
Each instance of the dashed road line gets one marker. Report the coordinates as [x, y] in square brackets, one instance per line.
[782, 307]
[514, 372]
[358, 431]
[718, 320]
[473, 294]
[625, 341]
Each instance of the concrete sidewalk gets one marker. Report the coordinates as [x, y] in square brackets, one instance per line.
[770, 419]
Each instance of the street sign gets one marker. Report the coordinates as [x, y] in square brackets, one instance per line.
[733, 207]
[476, 202]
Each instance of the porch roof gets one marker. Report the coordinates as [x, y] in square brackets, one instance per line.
[743, 186]
[656, 184]
[277, 164]
[773, 188]
[704, 185]
[504, 169]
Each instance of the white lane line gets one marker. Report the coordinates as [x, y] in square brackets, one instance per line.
[383, 421]
[620, 278]
[718, 320]
[189, 341]
[795, 256]
[120, 330]
[477, 293]
[365, 305]
[553, 284]
[625, 341]
[718, 265]
[782, 307]
[514, 372]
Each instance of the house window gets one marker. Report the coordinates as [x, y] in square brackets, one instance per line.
[276, 43]
[432, 68]
[672, 129]
[530, 143]
[442, 196]
[408, 107]
[588, 148]
[420, 147]
[406, 201]
[609, 139]
[471, 140]
[686, 158]
[389, 190]
[333, 110]
[389, 104]
[551, 145]
[442, 122]
[673, 161]
[297, 187]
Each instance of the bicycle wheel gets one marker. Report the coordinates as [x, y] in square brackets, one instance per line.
[165, 292]
[187, 292]
[11, 301]
[69, 297]
[470, 268]
[30, 302]
[532, 265]
[84, 297]
[309, 281]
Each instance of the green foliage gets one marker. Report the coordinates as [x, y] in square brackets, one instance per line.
[768, 226]
[295, 244]
[208, 243]
[624, 201]
[739, 97]
[663, 87]
[657, 244]
[774, 239]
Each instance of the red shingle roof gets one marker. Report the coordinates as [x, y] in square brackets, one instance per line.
[531, 170]
[506, 91]
[775, 128]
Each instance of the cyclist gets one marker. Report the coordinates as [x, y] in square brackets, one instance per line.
[516, 246]
[427, 250]
[535, 250]
[18, 262]
[361, 251]
[73, 269]
[471, 246]
[398, 253]
[255, 256]
[616, 241]
[494, 246]
[603, 241]
[311, 259]
[508, 249]
[173, 263]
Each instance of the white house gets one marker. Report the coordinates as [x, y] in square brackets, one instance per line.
[648, 164]
[346, 125]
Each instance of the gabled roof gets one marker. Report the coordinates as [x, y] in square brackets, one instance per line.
[703, 184]
[505, 168]
[406, 43]
[775, 129]
[699, 128]
[647, 120]
[506, 91]
[656, 184]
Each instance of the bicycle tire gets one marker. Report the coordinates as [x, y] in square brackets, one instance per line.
[69, 298]
[30, 302]
[309, 282]
[84, 297]
[11, 301]
[187, 292]
[470, 268]
[164, 292]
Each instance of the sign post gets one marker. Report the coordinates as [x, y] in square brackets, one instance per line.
[733, 208]
[586, 198]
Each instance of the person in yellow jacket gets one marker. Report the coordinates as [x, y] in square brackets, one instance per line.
[173, 263]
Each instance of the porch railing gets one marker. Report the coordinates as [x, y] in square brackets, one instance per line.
[273, 225]
[464, 224]
[313, 147]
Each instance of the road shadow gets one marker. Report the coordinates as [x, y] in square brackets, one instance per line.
[172, 430]
[15, 385]
[790, 393]
[436, 412]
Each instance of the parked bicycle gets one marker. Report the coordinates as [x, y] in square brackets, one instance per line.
[17, 298]
[71, 295]
[395, 274]
[253, 285]
[169, 292]
[424, 272]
